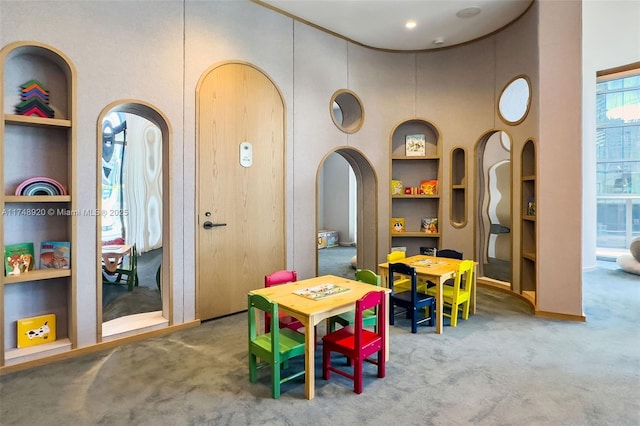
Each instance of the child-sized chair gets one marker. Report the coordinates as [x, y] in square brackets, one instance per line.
[357, 343]
[458, 296]
[276, 278]
[369, 316]
[274, 348]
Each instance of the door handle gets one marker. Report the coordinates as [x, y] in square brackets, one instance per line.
[209, 224]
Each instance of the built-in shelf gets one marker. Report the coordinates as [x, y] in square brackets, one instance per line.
[47, 148]
[412, 171]
[528, 212]
[458, 201]
[37, 198]
[37, 275]
[36, 121]
[15, 355]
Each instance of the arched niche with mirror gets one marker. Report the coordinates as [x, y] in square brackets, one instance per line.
[494, 208]
[515, 101]
[346, 110]
[133, 234]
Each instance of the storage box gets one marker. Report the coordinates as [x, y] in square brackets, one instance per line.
[36, 330]
[327, 238]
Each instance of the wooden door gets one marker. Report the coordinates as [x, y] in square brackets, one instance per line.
[240, 234]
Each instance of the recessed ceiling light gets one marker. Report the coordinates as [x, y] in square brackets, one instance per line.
[410, 24]
[468, 12]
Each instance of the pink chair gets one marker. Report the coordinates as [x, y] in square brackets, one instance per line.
[357, 343]
[282, 277]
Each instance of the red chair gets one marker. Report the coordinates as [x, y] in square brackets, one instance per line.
[281, 277]
[358, 343]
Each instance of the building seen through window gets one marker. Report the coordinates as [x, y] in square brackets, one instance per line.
[618, 160]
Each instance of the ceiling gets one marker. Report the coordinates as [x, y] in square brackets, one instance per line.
[381, 23]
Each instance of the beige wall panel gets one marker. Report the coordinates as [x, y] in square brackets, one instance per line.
[320, 69]
[386, 85]
[222, 31]
[120, 51]
[456, 94]
[517, 54]
[560, 182]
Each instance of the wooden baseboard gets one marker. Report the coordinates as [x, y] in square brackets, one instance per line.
[565, 317]
[96, 348]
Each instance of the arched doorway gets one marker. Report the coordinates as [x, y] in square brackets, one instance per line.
[140, 134]
[365, 202]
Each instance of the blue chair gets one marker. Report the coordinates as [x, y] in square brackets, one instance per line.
[412, 300]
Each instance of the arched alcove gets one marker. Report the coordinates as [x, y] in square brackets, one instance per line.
[154, 132]
[493, 212]
[366, 202]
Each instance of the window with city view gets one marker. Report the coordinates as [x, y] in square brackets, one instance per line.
[618, 160]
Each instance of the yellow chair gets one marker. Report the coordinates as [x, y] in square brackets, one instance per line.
[458, 296]
[403, 284]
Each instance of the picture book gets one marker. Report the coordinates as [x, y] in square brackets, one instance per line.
[429, 225]
[36, 330]
[321, 291]
[429, 251]
[397, 225]
[429, 187]
[55, 255]
[18, 258]
[415, 145]
[396, 187]
[531, 207]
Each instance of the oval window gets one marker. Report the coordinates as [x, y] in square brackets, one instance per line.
[346, 111]
[515, 101]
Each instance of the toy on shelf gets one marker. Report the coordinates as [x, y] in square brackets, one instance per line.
[35, 100]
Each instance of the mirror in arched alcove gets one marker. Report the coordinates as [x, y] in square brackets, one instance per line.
[515, 100]
[130, 202]
[493, 223]
[337, 217]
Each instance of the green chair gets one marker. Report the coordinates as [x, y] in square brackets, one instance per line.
[125, 274]
[369, 317]
[273, 348]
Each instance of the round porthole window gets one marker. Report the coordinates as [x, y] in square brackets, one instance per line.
[346, 111]
[515, 100]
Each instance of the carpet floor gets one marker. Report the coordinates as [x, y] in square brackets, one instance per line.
[503, 366]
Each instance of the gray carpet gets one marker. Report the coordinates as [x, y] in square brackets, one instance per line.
[118, 301]
[501, 367]
[336, 261]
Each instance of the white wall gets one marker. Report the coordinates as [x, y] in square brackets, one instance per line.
[610, 38]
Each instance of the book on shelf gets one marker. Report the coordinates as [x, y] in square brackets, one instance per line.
[415, 145]
[429, 187]
[531, 207]
[36, 330]
[397, 225]
[429, 251]
[55, 255]
[429, 225]
[18, 258]
[396, 187]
